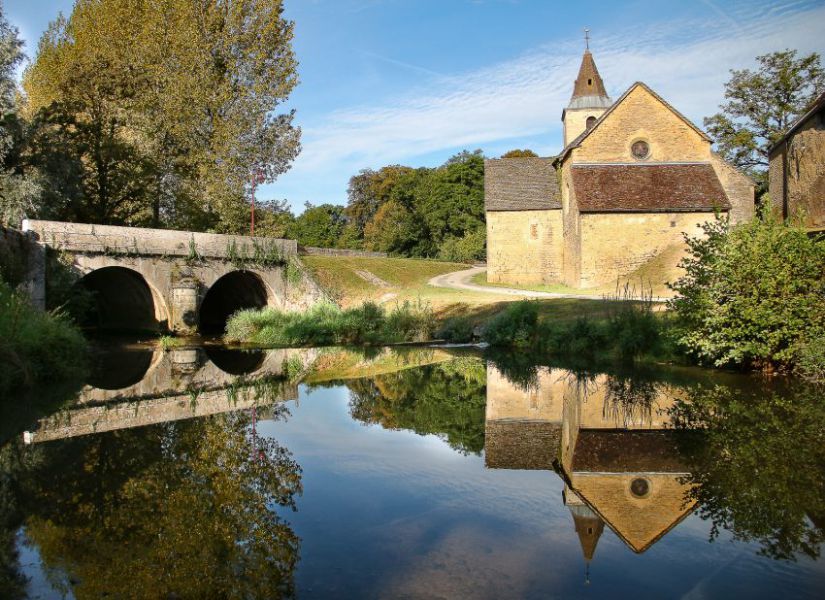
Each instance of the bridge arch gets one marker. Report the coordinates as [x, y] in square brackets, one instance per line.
[232, 292]
[123, 300]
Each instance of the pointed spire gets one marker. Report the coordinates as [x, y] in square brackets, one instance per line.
[589, 528]
[589, 82]
[588, 89]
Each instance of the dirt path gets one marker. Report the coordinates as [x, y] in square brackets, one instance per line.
[460, 280]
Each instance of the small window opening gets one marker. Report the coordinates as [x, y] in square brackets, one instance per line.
[673, 223]
[589, 82]
[590, 122]
[640, 149]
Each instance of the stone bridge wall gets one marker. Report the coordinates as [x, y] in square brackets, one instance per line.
[21, 264]
[179, 267]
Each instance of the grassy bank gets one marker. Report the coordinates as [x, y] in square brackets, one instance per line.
[351, 281]
[36, 347]
[328, 325]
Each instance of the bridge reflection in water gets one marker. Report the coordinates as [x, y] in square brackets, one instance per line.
[134, 387]
[612, 442]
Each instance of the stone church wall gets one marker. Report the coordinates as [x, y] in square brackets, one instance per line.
[642, 116]
[524, 247]
[614, 245]
[575, 121]
[739, 189]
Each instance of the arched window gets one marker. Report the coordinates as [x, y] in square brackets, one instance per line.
[590, 122]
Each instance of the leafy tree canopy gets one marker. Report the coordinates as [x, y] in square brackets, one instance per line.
[420, 212]
[158, 112]
[320, 225]
[761, 105]
[526, 153]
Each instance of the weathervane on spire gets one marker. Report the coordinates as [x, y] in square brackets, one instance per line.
[587, 38]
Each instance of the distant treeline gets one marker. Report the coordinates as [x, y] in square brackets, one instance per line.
[421, 212]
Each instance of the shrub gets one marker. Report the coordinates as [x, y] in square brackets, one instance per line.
[633, 329]
[469, 248]
[752, 295]
[325, 324]
[36, 347]
[811, 364]
[515, 326]
[457, 330]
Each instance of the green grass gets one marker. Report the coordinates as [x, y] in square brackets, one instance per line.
[327, 325]
[556, 288]
[406, 277]
[36, 347]
[168, 342]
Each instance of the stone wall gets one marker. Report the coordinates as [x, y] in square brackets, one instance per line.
[643, 116]
[14, 249]
[739, 189]
[575, 121]
[179, 267]
[524, 247]
[615, 244]
[110, 239]
[797, 174]
[23, 265]
[313, 251]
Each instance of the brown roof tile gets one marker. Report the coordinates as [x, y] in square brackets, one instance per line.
[525, 183]
[626, 451]
[662, 187]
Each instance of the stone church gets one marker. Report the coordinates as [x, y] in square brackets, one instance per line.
[633, 175]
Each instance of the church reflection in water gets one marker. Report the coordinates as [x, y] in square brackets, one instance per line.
[610, 439]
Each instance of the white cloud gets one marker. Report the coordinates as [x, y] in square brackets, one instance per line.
[686, 62]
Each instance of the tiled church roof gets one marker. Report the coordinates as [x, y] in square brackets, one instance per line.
[662, 187]
[520, 184]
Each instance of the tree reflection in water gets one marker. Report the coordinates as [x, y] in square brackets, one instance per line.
[759, 464]
[183, 509]
[445, 399]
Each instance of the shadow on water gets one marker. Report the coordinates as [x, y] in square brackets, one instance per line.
[117, 367]
[234, 361]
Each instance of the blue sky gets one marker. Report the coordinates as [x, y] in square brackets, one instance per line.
[415, 81]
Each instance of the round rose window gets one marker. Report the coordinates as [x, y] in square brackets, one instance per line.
[640, 149]
[639, 487]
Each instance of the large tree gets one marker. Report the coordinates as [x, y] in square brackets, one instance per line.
[178, 99]
[760, 107]
[13, 202]
[420, 212]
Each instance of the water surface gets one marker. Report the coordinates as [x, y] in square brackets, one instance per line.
[206, 472]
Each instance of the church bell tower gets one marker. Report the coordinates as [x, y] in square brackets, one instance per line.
[589, 100]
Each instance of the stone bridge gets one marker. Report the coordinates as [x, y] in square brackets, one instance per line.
[163, 280]
[136, 387]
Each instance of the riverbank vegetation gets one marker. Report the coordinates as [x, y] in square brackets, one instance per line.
[326, 325]
[36, 347]
[752, 297]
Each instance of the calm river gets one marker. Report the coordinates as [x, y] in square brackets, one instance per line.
[417, 473]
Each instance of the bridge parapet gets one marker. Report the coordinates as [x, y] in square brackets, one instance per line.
[139, 241]
[158, 279]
